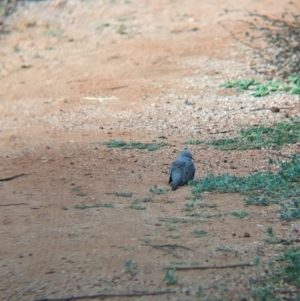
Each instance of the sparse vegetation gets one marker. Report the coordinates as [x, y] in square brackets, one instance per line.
[121, 194]
[241, 214]
[134, 145]
[259, 136]
[78, 191]
[135, 204]
[146, 240]
[262, 89]
[82, 207]
[199, 233]
[267, 187]
[194, 142]
[53, 32]
[199, 291]
[157, 190]
[170, 278]
[129, 267]
[221, 249]
[138, 207]
[178, 220]
[283, 272]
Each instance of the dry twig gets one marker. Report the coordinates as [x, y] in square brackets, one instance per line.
[12, 178]
[206, 267]
[136, 294]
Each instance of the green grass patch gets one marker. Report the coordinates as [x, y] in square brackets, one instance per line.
[225, 250]
[170, 228]
[129, 267]
[138, 207]
[260, 188]
[157, 190]
[134, 145]
[199, 233]
[284, 272]
[82, 207]
[145, 240]
[178, 220]
[138, 201]
[195, 204]
[53, 32]
[258, 137]
[257, 89]
[241, 214]
[194, 142]
[123, 194]
[199, 292]
[135, 204]
[170, 278]
[78, 192]
[203, 214]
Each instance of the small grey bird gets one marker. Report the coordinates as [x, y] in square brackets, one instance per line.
[182, 169]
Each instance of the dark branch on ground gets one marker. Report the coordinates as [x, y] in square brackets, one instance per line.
[12, 178]
[206, 267]
[136, 294]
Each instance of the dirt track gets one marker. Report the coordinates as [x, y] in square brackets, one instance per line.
[75, 74]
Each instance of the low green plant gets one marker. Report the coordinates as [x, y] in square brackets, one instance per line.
[223, 288]
[129, 267]
[204, 214]
[174, 236]
[82, 207]
[258, 89]
[240, 85]
[53, 32]
[170, 278]
[199, 291]
[199, 233]
[157, 190]
[258, 137]
[257, 201]
[290, 266]
[194, 142]
[221, 249]
[241, 214]
[291, 210]
[146, 240]
[78, 191]
[171, 228]
[138, 207]
[194, 204]
[283, 272]
[134, 145]
[264, 294]
[122, 194]
[121, 29]
[178, 220]
[269, 186]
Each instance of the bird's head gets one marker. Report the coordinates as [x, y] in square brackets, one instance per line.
[186, 154]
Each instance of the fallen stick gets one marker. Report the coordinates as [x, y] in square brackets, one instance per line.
[16, 204]
[137, 294]
[13, 177]
[171, 246]
[205, 267]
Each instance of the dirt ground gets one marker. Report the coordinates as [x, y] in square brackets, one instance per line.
[75, 74]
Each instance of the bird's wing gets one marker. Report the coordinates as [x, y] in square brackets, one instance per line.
[188, 172]
[176, 170]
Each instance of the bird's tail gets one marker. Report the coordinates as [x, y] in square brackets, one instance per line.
[175, 182]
